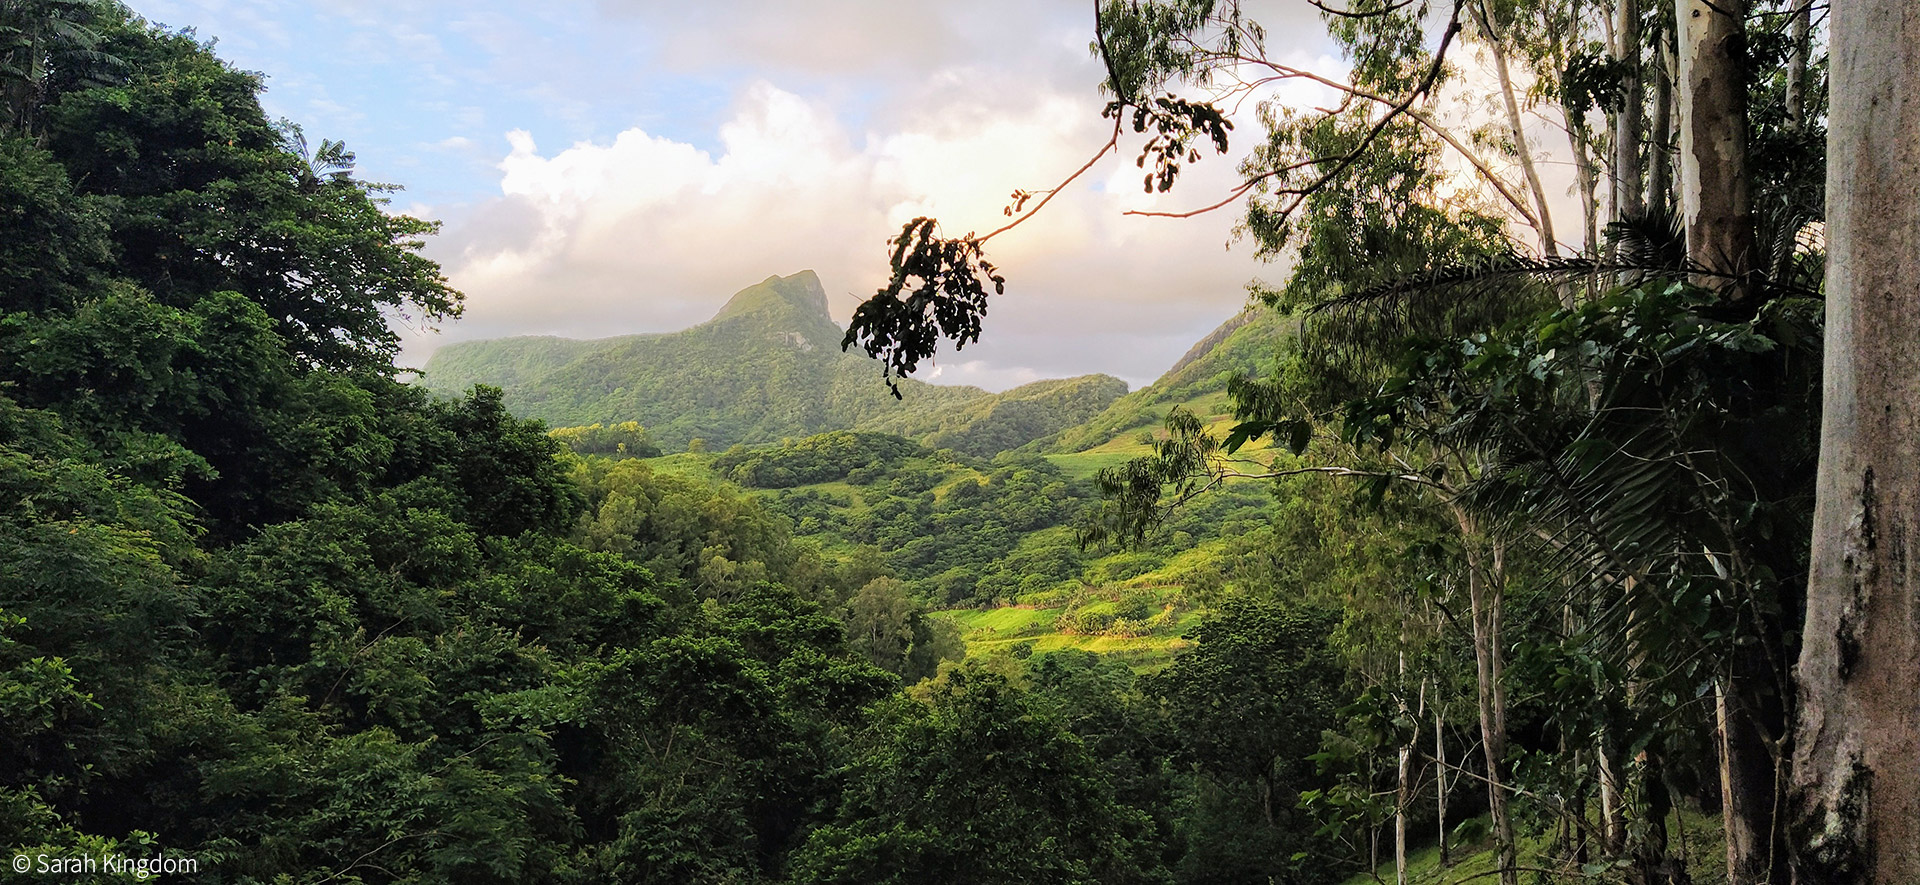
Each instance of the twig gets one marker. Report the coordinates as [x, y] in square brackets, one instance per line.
[1343, 162]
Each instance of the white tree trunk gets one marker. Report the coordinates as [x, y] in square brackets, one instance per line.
[1485, 601]
[1440, 780]
[1403, 796]
[1857, 748]
[1714, 201]
[1401, 799]
[1660, 146]
[1802, 46]
[1489, 27]
[1613, 830]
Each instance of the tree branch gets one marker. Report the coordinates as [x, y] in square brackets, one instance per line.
[1342, 162]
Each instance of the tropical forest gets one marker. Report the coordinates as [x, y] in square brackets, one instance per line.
[699, 504]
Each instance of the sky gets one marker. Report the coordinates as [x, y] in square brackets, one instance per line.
[604, 167]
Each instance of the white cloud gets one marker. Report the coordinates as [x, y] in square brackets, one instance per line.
[644, 233]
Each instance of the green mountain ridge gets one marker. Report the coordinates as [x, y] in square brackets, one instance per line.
[1244, 345]
[767, 366]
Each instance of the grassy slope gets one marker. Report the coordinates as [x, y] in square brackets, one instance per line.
[990, 630]
[1029, 619]
[1245, 345]
[1698, 835]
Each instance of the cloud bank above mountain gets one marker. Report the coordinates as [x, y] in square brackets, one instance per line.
[613, 166]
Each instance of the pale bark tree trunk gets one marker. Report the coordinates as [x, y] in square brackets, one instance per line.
[1403, 796]
[1440, 780]
[1484, 600]
[1587, 176]
[1802, 46]
[1585, 155]
[1613, 829]
[1627, 123]
[1856, 764]
[1715, 203]
[1646, 781]
[1660, 152]
[1740, 840]
[1716, 208]
[1488, 27]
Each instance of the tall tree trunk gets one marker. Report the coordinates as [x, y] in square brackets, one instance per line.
[1587, 175]
[1749, 782]
[1613, 828]
[1855, 769]
[1549, 246]
[1402, 797]
[1751, 718]
[1646, 843]
[1484, 600]
[1627, 122]
[1660, 150]
[1715, 203]
[1801, 46]
[1440, 780]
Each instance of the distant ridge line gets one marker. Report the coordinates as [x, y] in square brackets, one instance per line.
[1206, 345]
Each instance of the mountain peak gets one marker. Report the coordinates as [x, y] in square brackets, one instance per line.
[799, 293]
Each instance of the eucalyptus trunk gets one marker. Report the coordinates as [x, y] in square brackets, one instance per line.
[1403, 795]
[1660, 147]
[1484, 599]
[1715, 198]
[1856, 769]
[1613, 827]
[1440, 781]
[1800, 45]
[1627, 122]
[1489, 27]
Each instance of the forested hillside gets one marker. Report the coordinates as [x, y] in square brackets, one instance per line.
[267, 610]
[1245, 346]
[767, 366]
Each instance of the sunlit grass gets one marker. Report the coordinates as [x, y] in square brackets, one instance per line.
[1697, 837]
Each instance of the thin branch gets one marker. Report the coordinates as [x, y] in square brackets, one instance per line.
[1414, 478]
[1286, 72]
[357, 862]
[1343, 162]
[1517, 791]
[1348, 13]
[1113, 142]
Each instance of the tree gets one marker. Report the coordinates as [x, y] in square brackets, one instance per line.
[982, 785]
[42, 40]
[296, 234]
[1249, 703]
[1716, 203]
[1858, 736]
